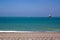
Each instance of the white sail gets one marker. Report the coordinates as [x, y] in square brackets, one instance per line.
[50, 16]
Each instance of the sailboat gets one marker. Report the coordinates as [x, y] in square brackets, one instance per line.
[49, 16]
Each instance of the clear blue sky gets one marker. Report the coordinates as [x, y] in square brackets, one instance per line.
[30, 8]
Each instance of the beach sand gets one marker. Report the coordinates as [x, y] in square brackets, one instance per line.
[29, 35]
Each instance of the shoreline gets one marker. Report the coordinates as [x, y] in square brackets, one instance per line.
[29, 31]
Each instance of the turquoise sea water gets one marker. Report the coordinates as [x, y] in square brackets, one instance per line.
[29, 24]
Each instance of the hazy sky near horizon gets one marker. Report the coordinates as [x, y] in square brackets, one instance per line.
[30, 8]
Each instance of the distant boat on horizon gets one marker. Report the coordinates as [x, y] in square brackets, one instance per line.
[49, 16]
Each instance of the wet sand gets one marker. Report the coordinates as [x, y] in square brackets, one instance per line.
[29, 35]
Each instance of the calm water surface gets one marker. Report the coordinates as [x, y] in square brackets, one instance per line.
[30, 23]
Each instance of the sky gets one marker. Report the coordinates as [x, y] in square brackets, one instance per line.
[29, 8]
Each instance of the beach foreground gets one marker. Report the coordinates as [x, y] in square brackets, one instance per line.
[29, 35]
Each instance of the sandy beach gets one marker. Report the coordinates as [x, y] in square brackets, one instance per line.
[29, 35]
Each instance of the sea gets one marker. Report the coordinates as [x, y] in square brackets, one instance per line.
[29, 24]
